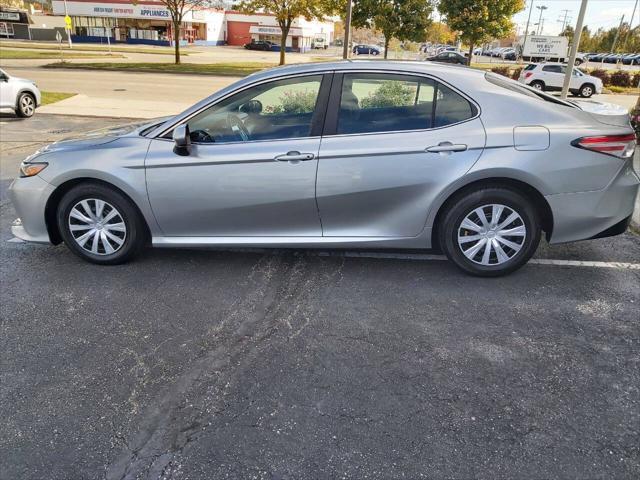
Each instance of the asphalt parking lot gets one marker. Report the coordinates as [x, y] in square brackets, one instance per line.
[197, 364]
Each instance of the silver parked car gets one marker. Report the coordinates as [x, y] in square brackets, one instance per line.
[346, 154]
[19, 94]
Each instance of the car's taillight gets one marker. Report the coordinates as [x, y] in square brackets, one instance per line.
[617, 145]
[528, 74]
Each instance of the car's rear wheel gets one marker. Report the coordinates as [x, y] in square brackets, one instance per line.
[586, 90]
[26, 105]
[490, 232]
[537, 84]
[100, 225]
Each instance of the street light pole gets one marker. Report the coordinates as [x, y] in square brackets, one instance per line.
[347, 32]
[542, 8]
[574, 50]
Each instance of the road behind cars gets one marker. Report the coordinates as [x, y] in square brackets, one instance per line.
[250, 364]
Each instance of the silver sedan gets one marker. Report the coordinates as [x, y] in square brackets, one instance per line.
[349, 154]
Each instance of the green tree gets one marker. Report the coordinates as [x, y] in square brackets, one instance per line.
[286, 11]
[439, 32]
[479, 21]
[177, 10]
[399, 19]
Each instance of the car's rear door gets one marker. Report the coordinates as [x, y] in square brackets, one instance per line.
[251, 169]
[392, 143]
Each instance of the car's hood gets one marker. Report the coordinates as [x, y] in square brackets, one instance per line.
[101, 136]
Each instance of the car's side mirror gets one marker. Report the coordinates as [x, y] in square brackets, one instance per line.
[182, 140]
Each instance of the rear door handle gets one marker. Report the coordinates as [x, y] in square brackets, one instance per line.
[294, 156]
[447, 147]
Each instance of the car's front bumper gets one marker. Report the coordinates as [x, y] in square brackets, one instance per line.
[585, 215]
[29, 197]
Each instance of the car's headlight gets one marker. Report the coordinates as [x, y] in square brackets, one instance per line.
[31, 169]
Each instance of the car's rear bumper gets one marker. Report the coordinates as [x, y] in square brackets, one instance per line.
[585, 215]
[29, 197]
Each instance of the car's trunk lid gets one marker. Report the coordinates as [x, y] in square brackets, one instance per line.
[604, 112]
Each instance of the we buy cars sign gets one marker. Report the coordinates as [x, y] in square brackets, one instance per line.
[546, 46]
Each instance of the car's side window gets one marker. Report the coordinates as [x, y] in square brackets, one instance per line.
[451, 107]
[276, 110]
[379, 102]
[372, 102]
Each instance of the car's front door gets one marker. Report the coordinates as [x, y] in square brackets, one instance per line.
[251, 168]
[7, 91]
[391, 145]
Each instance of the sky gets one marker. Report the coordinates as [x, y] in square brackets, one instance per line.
[600, 13]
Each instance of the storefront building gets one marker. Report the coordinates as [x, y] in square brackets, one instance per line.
[14, 23]
[149, 22]
[144, 22]
[242, 28]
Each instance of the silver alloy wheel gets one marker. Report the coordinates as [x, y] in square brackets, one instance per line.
[27, 105]
[537, 85]
[492, 234]
[97, 226]
[587, 91]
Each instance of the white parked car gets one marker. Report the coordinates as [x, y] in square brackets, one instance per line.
[550, 76]
[19, 94]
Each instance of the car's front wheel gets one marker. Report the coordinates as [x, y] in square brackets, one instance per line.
[26, 105]
[490, 232]
[100, 224]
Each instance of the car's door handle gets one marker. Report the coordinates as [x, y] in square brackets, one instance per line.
[447, 147]
[294, 156]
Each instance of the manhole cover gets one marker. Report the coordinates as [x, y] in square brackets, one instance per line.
[55, 132]
[119, 89]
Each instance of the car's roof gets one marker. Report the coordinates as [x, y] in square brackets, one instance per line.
[390, 65]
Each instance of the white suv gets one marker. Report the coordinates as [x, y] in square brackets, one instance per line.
[550, 76]
[19, 94]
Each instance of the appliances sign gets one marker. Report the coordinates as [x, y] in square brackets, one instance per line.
[92, 9]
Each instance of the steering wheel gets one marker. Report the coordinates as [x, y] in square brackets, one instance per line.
[202, 136]
[235, 124]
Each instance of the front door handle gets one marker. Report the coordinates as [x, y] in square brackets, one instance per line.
[445, 147]
[294, 156]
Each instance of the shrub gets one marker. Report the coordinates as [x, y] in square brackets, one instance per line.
[301, 101]
[601, 74]
[635, 118]
[504, 71]
[389, 94]
[635, 82]
[516, 73]
[620, 78]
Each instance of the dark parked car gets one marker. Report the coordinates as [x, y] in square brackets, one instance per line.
[367, 50]
[259, 45]
[510, 56]
[449, 57]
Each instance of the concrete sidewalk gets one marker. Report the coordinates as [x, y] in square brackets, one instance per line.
[109, 107]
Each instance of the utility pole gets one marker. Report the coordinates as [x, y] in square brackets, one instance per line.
[615, 39]
[347, 32]
[541, 27]
[564, 19]
[526, 30]
[542, 8]
[574, 50]
[633, 14]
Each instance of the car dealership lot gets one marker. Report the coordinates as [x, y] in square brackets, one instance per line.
[256, 364]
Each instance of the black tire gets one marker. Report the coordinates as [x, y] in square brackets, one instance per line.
[25, 105]
[466, 203]
[537, 84]
[587, 90]
[136, 233]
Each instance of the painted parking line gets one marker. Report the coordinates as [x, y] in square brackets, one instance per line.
[533, 261]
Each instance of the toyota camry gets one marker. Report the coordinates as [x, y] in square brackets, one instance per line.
[406, 155]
